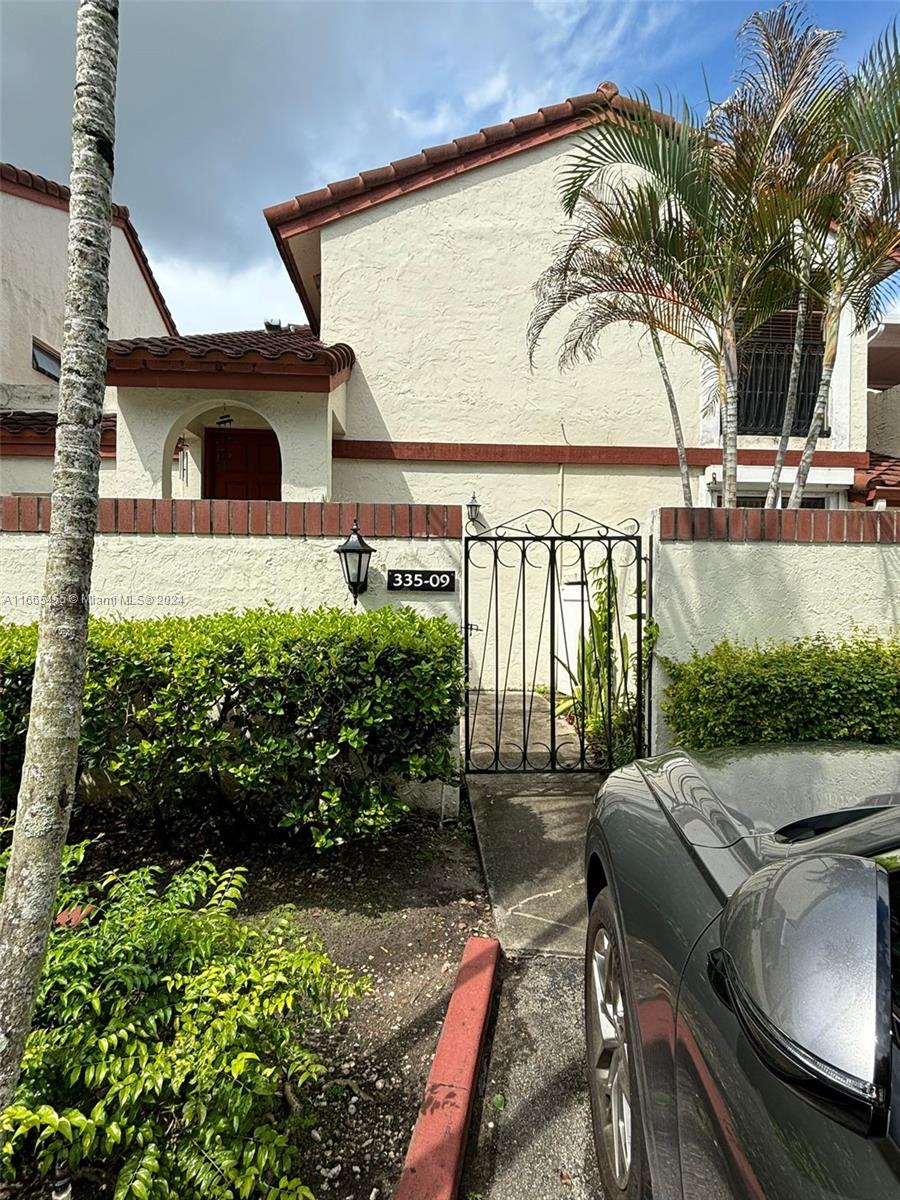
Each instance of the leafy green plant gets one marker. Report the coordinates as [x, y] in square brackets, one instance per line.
[259, 719]
[167, 1053]
[602, 703]
[814, 689]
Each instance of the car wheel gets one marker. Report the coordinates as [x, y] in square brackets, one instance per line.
[615, 1109]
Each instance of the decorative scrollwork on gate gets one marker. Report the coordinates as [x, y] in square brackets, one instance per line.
[557, 652]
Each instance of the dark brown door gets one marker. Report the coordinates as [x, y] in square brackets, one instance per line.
[241, 464]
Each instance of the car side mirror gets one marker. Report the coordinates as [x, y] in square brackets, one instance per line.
[806, 960]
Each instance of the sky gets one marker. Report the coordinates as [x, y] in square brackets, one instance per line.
[227, 106]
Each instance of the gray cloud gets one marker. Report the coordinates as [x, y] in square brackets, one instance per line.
[226, 106]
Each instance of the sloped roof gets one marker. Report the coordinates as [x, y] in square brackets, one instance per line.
[292, 343]
[289, 358]
[310, 209]
[19, 182]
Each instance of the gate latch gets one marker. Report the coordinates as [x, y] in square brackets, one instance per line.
[472, 628]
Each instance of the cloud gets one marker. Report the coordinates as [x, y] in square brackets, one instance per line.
[429, 125]
[490, 91]
[206, 298]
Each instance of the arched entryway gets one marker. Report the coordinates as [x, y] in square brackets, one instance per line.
[225, 452]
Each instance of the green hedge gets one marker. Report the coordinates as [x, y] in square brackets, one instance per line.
[259, 719]
[814, 689]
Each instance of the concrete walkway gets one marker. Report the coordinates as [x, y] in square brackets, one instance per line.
[531, 1133]
[531, 835]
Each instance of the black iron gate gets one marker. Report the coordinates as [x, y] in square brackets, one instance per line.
[557, 644]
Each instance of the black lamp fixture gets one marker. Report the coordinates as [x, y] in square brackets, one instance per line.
[356, 553]
[473, 510]
[226, 419]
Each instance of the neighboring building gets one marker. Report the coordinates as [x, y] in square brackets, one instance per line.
[411, 382]
[33, 235]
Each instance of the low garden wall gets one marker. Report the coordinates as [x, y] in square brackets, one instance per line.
[186, 557]
[746, 576]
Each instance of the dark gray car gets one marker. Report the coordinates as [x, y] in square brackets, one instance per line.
[742, 1016]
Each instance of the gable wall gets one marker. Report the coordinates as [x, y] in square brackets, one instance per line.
[33, 285]
[434, 291]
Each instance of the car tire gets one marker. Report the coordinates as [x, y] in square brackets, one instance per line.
[612, 1081]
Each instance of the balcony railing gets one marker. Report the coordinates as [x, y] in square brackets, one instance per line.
[765, 369]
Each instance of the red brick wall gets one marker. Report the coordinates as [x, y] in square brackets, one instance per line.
[278, 518]
[849, 525]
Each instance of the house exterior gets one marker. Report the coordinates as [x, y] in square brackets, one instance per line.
[34, 230]
[411, 383]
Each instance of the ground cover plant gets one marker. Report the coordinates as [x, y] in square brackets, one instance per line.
[813, 689]
[169, 1050]
[259, 721]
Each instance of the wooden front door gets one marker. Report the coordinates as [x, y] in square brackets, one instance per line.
[241, 464]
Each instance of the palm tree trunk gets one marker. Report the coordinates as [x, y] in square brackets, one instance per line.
[676, 419]
[832, 322]
[729, 419]
[51, 751]
[790, 403]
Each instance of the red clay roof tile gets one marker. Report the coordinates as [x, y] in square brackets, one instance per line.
[292, 343]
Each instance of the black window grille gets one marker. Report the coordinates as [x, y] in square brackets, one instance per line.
[765, 367]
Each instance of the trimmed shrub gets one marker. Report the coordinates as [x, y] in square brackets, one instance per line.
[814, 689]
[259, 719]
[167, 1052]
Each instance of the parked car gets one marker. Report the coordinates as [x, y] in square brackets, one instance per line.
[742, 1017]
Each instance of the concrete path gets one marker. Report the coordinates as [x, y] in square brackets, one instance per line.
[531, 1136]
[531, 834]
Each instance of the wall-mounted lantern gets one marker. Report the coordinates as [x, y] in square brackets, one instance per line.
[473, 510]
[356, 553]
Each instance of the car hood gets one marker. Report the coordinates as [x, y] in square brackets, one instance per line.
[718, 798]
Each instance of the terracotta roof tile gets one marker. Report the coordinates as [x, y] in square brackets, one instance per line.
[554, 115]
[884, 470]
[292, 343]
[19, 420]
[18, 179]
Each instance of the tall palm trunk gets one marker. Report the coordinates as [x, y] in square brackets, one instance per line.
[832, 322]
[790, 402]
[676, 419]
[51, 751]
[729, 417]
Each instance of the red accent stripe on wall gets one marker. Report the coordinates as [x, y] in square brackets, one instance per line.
[608, 456]
[256, 518]
[835, 526]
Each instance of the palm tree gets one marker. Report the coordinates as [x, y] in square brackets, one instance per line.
[859, 145]
[48, 776]
[595, 282]
[712, 209]
[836, 145]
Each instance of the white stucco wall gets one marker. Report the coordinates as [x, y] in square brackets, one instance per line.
[189, 574]
[607, 494]
[884, 421]
[22, 476]
[705, 592]
[434, 290]
[33, 284]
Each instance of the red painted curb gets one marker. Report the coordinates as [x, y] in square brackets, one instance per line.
[435, 1156]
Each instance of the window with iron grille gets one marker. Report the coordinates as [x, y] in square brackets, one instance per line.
[765, 367]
